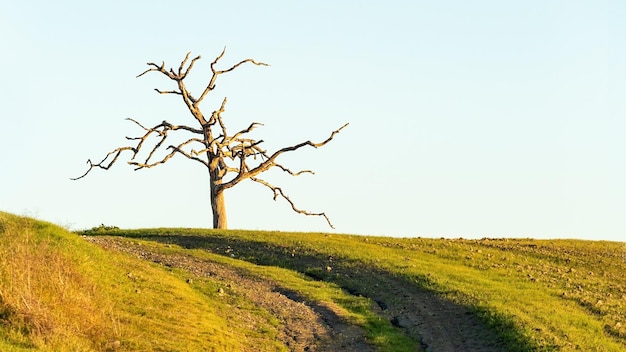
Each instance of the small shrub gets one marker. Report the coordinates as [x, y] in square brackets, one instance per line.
[102, 228]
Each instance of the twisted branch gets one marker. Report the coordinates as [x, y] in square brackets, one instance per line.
[279, 192]
[101, 164]
[175, 149]
[271, 160]
[161, 130]
[216, 73]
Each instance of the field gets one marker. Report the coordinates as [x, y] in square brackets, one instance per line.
[109, 289]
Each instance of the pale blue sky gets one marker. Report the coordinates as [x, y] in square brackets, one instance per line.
[467, 118]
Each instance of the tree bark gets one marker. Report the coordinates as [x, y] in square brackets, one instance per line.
[220, 221]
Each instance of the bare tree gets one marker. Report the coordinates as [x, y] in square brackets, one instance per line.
[229, 158]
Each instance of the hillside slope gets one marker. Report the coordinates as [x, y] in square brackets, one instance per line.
[533, 294]
[188, 290]
[62, 292]
[59, 292]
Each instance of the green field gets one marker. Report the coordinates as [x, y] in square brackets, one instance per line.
[108, 289]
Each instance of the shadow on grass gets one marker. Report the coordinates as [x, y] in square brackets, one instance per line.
[407, 302]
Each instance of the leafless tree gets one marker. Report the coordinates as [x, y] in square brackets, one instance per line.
[229, 157]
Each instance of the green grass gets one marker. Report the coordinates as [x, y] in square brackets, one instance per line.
[540, 295]
[59, 292]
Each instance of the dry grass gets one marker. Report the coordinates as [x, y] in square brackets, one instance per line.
[45, 302]
[59, 292]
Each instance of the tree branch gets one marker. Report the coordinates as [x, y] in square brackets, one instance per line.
[294, 173]
[157, 68]
[279, 192]
[101, 165]
[175, 149]
[193, 61]
[314, 145]
[161, 130]
[271, 160]
[216, 73]
[168, 91]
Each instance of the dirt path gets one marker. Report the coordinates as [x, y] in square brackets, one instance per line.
[305, 326]
[439, 324]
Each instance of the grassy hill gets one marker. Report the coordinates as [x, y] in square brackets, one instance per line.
[108, 289]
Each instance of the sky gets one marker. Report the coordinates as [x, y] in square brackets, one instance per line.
[467, 118]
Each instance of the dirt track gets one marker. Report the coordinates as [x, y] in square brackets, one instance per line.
[439, 325]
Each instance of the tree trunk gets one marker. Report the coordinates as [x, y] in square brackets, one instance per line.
[219, 207]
